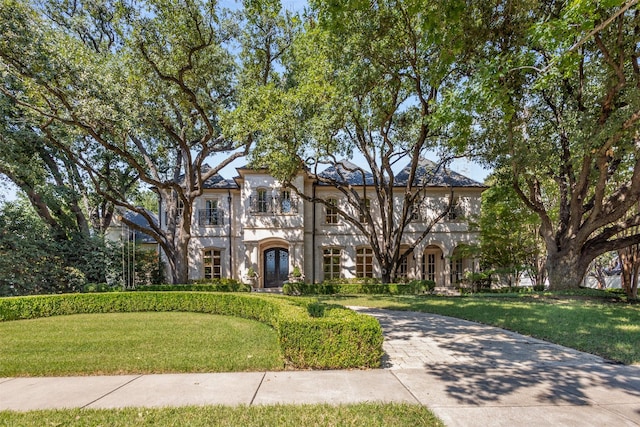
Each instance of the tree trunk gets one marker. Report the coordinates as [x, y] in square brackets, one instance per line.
[630, 264]
[566, 270]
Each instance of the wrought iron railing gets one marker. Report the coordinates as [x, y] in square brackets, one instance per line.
[210, 217]
[273, 205]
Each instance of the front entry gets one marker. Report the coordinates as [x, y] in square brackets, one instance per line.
[276, 267]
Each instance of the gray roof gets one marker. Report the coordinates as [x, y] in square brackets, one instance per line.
[140, 220]
[216, 181]
[346, 172]
[442, 177]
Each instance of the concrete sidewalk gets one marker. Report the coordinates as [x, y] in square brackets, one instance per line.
[468, 374]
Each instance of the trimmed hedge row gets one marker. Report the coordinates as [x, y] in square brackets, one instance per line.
[311, 335]
[415, 287]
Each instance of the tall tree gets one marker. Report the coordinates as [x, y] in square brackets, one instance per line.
[143, 83]
[560, 109]
[509, 239]
[367, 79]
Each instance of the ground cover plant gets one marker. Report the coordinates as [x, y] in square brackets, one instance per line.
[310, 335]
[365, 414]
[597, 323]
[126, 343]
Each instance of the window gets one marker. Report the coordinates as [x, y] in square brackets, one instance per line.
[364, 262]
[365, 206]
[455, 212]
[415, 213]
[431, 267]
[403, 269]
[212, 264]
[285, 201]
[210, 215]
[263, 201]
[331, 263]
[455, 267]
[331, 212]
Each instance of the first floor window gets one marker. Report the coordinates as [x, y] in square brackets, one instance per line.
[212, 264]
[364, 262]
[331, 263]
[455, 267]
[431, 267]
[402, 269]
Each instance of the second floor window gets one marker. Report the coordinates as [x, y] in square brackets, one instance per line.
[331, 212]
[365, 209]
[210, 215]
[262, 201]
[285, 201]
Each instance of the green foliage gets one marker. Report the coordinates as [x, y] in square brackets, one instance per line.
[333, 287]
[340, 338]
[202, 285]
[357, 415]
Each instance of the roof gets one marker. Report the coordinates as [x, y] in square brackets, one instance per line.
[437, 177]
[346, 172]
[140, 220]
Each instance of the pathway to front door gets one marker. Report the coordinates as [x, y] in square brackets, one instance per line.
[276, 267]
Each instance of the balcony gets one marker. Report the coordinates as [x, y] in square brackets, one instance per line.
[273, 205]
[210, 218]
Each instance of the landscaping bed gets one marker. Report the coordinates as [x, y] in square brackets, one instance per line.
[311, 335]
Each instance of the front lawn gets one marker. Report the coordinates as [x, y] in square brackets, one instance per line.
[125, 343]
[366, 414]
[610, 329]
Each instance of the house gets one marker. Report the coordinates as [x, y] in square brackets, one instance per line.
[253, 224]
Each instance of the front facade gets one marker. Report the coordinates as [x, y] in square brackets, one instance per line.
[254, 230]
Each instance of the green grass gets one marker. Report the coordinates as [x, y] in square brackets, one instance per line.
[587, 323]
[124, 343]
[369, 414]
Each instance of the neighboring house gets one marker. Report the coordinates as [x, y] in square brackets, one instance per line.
[253, 223]
[118, 231]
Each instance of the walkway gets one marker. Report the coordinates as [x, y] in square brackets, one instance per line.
[468, 374]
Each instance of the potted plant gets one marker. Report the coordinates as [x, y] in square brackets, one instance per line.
[296, 275]
[251, 277]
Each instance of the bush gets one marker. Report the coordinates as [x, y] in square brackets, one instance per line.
[337, 338]
[206, 285]
[414, 287]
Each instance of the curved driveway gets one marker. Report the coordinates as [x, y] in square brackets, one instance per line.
[471, 374]
[468, 374]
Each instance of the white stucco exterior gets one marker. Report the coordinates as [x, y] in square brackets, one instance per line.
[253, 222]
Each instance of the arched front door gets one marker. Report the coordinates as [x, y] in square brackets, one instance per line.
[276, 267]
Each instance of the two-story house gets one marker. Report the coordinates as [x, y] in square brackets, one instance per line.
[252, 224]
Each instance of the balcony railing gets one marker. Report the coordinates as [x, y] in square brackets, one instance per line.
[210, 217]
[273, 205]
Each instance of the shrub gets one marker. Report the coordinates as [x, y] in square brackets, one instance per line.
[207, 285]
[337, 338]
[414, 287]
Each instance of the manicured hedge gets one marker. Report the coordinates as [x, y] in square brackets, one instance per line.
[202, 285]
[415, 287]
[311, 335]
